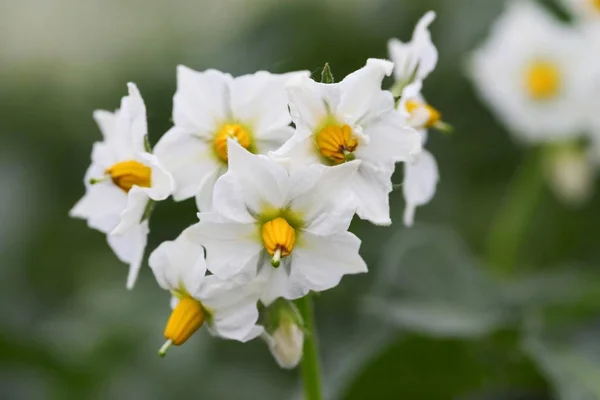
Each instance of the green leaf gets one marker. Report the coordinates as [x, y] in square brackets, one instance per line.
[429, 284]
[570, 361]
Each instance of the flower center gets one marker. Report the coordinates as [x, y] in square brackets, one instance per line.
[234, 131]
[126, 174]
[279, 239]
[542, 80]
[337, 143]
[433, 115]
[185, 319]
[596, 4]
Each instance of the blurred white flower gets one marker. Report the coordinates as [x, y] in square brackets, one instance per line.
[534, 72]
[229, 308]
[416, 59]
[209, 108]
[353, 119]
[291, 226]
[122, 181]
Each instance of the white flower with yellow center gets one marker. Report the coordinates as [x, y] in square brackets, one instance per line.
[122, 182]
[352, 119]
[291, 226]
[228, 308]
[416, 59]
[209, 108]
[533, 72]
[421, 175]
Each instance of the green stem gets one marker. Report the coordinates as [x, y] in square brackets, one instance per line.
[510, 224]
[311, 370]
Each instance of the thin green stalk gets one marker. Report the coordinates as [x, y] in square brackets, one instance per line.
[510, 224]
[311, 369]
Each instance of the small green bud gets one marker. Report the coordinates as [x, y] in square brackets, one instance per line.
[326, 75]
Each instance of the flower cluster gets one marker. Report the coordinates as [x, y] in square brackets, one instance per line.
[278, 165]
[541, 78]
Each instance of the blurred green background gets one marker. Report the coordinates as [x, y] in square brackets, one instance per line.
[430, 321]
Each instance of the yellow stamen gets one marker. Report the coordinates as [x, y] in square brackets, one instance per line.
[336, 142]
[185, 319]
[596, 4]
[434, 116]
[542, 80]
[234, 131]
[126, 174]
[279, 239]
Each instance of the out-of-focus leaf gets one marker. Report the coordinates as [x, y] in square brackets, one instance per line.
[436, 318]
[571, 361]
[428, 283]
[567, 285]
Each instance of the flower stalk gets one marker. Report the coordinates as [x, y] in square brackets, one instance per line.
[512, 219]
[310, 364]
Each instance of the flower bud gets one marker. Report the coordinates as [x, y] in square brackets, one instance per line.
[570, 173]
[284, 334]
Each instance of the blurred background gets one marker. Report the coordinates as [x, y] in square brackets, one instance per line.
[430, 321]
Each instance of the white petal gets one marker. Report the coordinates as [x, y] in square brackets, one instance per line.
[273, 139]
[107, 122]
[419, 53]
[178, 263]
[103, 202]
[260, 101]
[297, 153]
[201, 102]
[236, 323]
[101, 206]
[320, 262]
[232, 304]
[231, 247]
[204, 197]
[137, 200]
[163, 183]
[372, 186]
[251, 184]
[280, 284]
[361, 91]
[323, 197]
[129, 248]
[189, 159]
[309, 102]
[390, 140]
[420, 181]
[131, 127]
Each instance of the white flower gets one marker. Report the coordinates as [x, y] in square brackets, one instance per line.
[416, 59]
[353, 119]
[208, 108]
[584, 9]
[227, 307]
[532, 71]
[286, 344]
[122, 180]
[291, 226]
